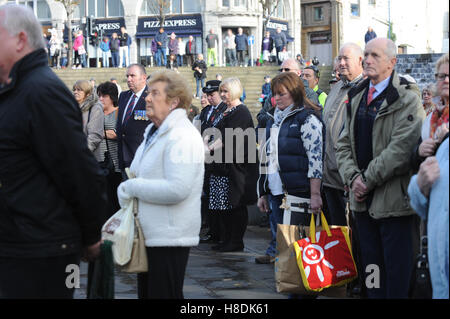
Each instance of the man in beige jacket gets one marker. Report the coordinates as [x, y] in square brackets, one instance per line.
[350, 67]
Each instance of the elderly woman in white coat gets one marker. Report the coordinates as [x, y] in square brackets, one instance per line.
[169, 168]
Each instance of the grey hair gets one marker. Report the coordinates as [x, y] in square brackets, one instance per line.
[20, 18]
[356, 48]
[139, 66]
[391, 49]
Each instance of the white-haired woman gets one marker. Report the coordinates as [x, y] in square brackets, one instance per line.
[169, 168]
[233, 174]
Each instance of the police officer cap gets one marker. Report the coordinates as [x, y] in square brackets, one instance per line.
[211, 86]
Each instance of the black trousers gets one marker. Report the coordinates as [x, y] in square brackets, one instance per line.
[233, 226]
[36, 278]
[387, 245]
[165, 278]
[335, 202]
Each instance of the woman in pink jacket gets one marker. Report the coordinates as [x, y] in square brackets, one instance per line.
[80, 51]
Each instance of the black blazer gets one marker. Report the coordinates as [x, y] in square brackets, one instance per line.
[130, 134]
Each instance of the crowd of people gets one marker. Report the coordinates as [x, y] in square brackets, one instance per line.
[168, 50]
[366, 154]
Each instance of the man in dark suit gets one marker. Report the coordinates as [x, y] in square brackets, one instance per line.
[132, 120]
[207, 117]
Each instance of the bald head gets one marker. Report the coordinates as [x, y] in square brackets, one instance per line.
[379, 59]
[291, 65]
[388, 46]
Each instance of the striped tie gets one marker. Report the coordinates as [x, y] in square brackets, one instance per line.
[130, 109]
[370, 95]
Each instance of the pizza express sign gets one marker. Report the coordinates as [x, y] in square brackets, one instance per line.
[152, 24]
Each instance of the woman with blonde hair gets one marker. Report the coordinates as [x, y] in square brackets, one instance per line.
[92, 115]
[233, 173]
[427, 99]
[169, 168]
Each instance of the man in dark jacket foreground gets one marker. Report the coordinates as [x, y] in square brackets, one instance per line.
[51, 190]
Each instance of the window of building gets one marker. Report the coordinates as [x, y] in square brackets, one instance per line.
[98, 9]
[318, 13]
[280, 11]
[43, 10]
[373, 2]
[101, 9]
[114, 8]
[151, 7]
[192, 6]
[225, 3]
[355, 9]
[240, 3]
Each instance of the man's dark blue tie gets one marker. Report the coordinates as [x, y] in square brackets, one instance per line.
[130, 109]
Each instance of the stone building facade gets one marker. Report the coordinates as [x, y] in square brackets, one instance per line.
[184, 17]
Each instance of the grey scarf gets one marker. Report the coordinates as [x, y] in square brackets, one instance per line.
[279, 115]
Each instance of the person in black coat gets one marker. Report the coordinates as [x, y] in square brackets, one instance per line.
[191, 49]
[234, 170]
[199, 67]
[52, 194]
[132, 119]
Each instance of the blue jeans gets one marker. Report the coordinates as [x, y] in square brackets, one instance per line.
[161, 52]
[275, 217]
[83, 60]
[105, 59]
[200, 85]
[115, 58]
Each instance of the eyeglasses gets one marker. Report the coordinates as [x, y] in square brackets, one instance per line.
[441, 76]
[284, 70]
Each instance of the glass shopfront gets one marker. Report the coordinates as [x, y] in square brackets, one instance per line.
[182, 25]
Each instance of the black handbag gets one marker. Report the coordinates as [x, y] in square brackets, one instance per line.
[420, 287]
[107, 165]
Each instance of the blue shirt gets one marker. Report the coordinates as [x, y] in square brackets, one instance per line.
[435, 209]
[380, 87]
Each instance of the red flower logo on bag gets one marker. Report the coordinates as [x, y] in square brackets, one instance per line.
[314, 254]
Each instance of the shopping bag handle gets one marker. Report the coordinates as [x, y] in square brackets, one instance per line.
[131, 175]
[312, 227]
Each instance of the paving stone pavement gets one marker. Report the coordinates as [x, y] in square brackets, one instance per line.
[213, 275]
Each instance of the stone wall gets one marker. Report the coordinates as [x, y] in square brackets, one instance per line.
[420, 66]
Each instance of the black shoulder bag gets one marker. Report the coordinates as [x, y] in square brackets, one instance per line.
[420, 287]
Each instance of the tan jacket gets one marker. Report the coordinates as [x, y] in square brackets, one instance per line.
[396, 131]
[334, 118]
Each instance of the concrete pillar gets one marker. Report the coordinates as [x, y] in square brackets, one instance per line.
[336, 26]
